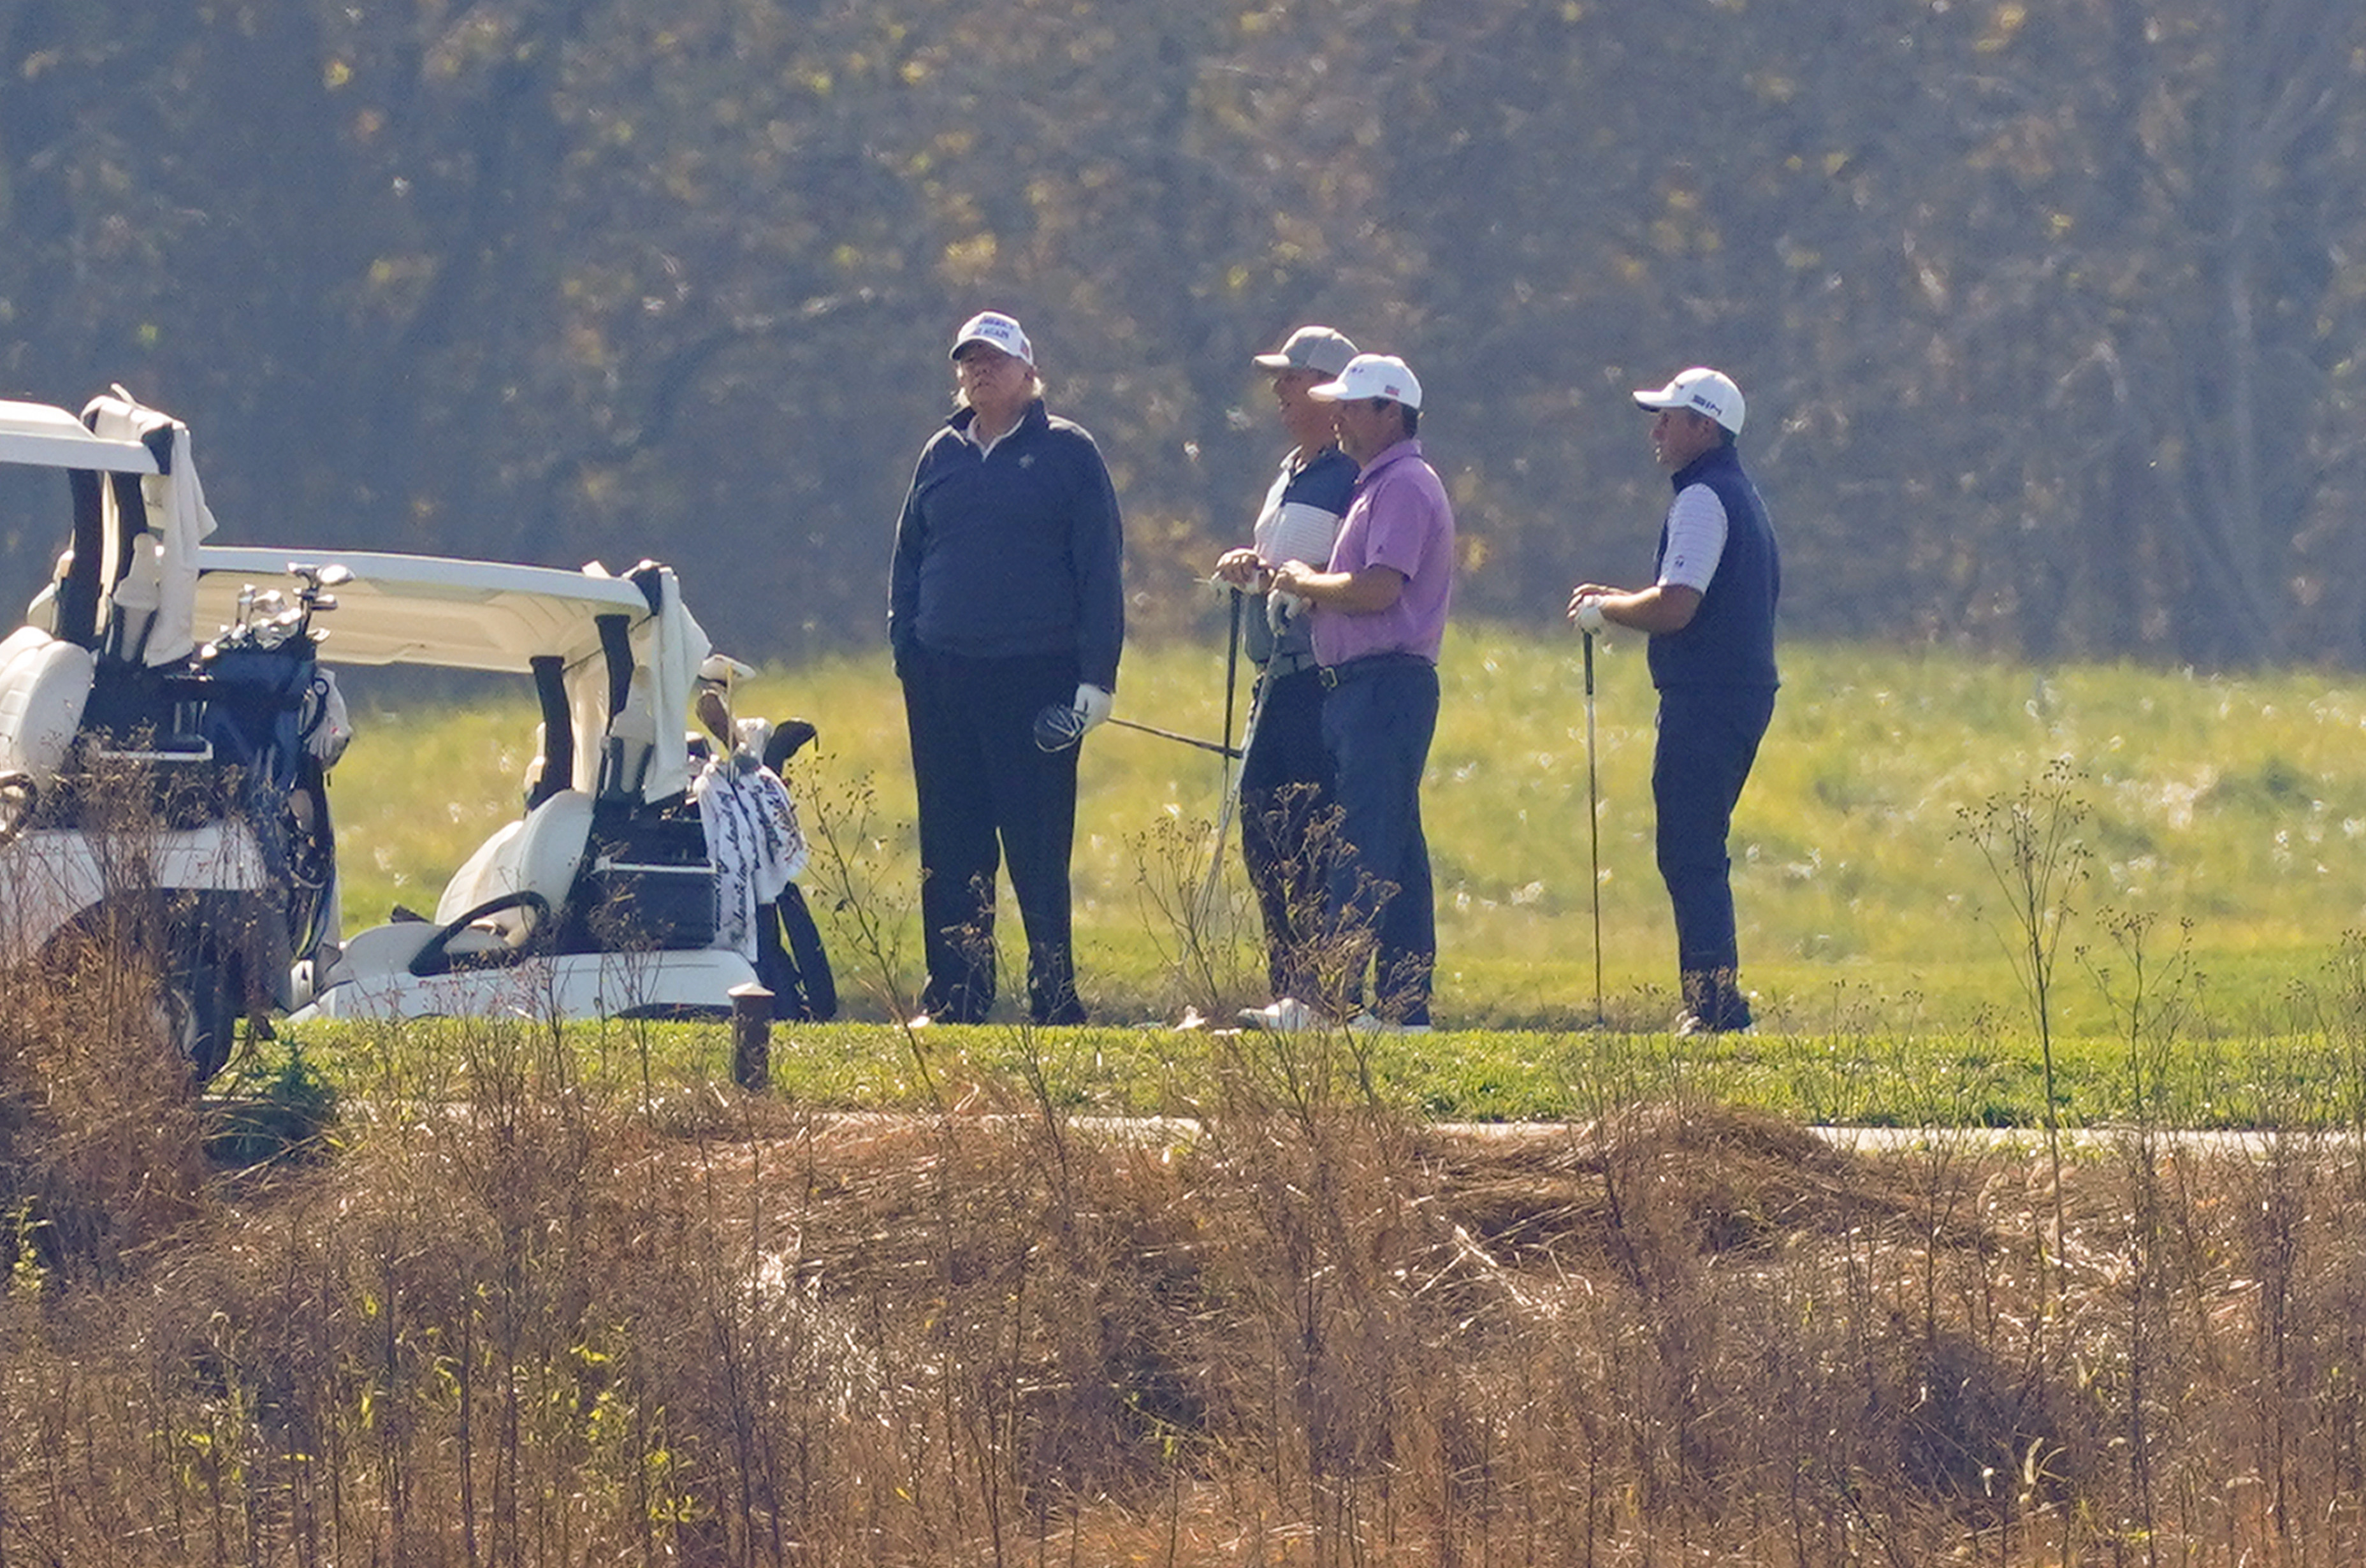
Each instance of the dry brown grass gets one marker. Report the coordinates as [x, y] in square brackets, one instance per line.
[99, 1151]
[536, 1325]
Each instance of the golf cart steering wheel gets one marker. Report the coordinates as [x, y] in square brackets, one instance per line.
[430, 959]
[18, 793]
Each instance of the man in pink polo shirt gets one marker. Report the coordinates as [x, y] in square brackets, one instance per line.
[1380, 615]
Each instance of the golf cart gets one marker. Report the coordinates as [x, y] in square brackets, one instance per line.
[599, 900]
[121, 822]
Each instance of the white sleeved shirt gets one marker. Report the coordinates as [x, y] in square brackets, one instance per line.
[1696, 539]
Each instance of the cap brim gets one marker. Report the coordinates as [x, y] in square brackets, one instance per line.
[1026, 359]
[1273, 361]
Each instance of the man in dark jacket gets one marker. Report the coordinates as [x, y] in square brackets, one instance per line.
[1710, 613]
[1004, 602]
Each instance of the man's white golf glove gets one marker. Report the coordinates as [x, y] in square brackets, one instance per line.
[1589, 618]
[1093, 704]
[1281, 608]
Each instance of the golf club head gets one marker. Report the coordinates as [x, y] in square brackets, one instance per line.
[1058, 726]
[789, 737]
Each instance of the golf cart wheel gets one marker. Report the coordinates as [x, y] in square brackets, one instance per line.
[18, 793]
[200, 1012]
[431, 960]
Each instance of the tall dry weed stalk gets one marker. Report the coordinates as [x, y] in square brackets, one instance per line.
[852, 874]
[2029, 841]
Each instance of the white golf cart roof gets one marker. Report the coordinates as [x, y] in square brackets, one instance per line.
[39, 436]
[434, 611]
[616, 656]
[625, 649]
[139, 513]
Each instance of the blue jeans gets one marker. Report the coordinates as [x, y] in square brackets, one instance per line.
[1377, 722]
[1708, 737]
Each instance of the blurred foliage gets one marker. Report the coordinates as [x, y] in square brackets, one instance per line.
[2047, 315]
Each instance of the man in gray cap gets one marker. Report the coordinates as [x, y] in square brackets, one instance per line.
[1710, 612]
[1286, 777]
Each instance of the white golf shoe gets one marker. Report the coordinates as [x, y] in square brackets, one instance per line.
[1373, 1023]
[1282, 1017]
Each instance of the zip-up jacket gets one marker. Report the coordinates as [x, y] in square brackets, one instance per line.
[1013, 552]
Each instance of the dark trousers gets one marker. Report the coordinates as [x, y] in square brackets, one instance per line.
[1708, 737]
[987, 791]
[1376, 723]
[1285, 792]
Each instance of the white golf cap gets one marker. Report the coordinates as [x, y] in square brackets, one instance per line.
[1311, 348]
[1371, 375]
[1701, 389]
[722, 670]
[1003, 332]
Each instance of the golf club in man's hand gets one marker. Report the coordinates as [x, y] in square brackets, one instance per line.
[1058, 726]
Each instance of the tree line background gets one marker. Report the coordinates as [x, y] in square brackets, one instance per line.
[2048, 316]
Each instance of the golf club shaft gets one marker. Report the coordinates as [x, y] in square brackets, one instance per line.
[1182, 739]
[1232, 781]
[1232, 679]
[1231, 802]
[1593, 826]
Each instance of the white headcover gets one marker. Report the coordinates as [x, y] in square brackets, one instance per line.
[165, 563]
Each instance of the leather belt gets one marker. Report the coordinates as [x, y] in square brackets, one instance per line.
[1282, 666]
[1336, 675]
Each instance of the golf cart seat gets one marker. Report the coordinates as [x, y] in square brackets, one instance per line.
[512, 889]
[44, 685]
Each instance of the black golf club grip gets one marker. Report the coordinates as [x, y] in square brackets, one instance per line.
[1058, 726]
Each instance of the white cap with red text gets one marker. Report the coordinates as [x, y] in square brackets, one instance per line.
[1373, 376]
[1001, 331]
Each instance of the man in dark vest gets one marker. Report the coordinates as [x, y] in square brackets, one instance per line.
[1710, 615]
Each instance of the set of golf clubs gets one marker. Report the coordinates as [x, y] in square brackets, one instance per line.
[1058, 726]
[266, 620]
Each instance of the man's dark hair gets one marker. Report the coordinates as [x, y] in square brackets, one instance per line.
[1411, 415]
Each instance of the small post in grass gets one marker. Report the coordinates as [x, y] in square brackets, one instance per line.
[751, 1037]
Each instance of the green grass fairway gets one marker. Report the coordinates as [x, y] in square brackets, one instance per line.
[2237, 804]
